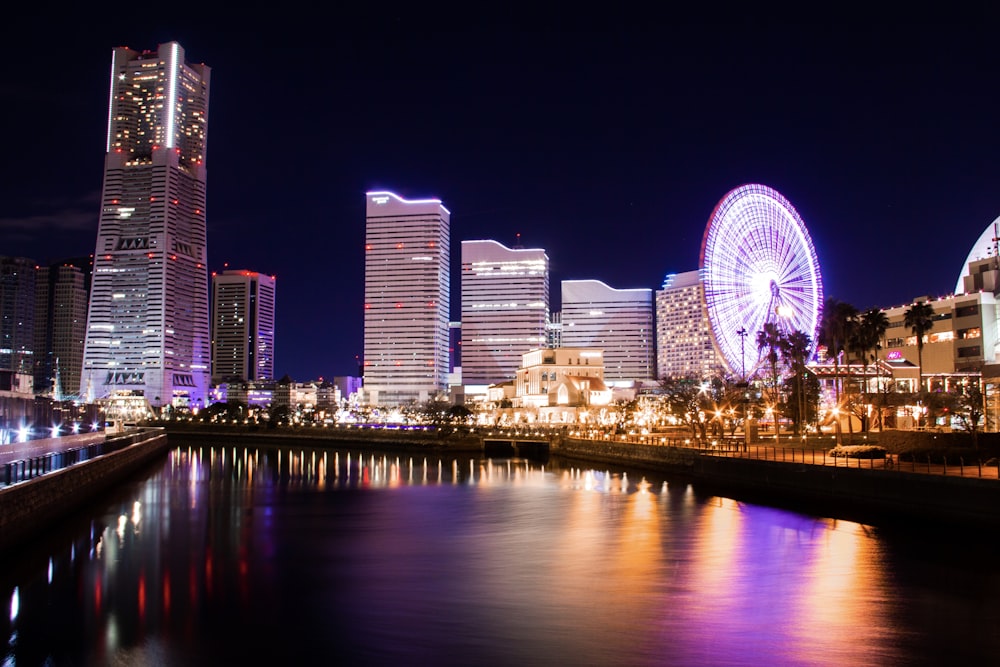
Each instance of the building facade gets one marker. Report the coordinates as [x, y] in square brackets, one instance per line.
[683, 335]
[617, 321]
[568, 377]
[505, 306]
[148, 321]
[242, 326]
[60, 326]
[963, 336]
[407, 299]
[17, 323]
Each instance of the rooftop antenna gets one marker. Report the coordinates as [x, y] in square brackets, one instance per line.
[517, 242]
[996, 248]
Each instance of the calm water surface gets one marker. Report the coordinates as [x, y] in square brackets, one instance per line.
[285, 556]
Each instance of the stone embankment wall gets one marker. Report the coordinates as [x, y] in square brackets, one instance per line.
[867, 495]
[27, 508]
[389, 439]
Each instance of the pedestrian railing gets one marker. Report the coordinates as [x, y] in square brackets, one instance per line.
[22, 470]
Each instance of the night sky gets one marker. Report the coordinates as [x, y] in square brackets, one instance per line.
[607, 146]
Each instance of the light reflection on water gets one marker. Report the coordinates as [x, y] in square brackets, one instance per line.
[230, 554]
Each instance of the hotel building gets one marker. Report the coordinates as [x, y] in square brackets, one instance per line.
[505, 306]
[406, 309]
[683, 334]
[148, 323]
[242, 326]
[617, 321]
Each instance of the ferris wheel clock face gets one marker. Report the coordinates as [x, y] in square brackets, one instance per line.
[758, 265]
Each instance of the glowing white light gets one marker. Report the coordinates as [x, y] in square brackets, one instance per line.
[15, 604]
[23, 433]
[383, 196]
[111, 101]
[757, 258]
[172, 95]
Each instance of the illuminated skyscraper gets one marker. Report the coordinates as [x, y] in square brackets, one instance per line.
[407, 283]
[505, 305]
[683, 335]
[617, 321]
[242, 326]
[147, 326]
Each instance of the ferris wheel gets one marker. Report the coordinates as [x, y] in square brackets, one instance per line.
[758, 265]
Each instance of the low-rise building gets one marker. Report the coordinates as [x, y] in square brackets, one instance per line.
[564, 377]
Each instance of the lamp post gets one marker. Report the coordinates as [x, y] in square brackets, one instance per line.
[743, 333]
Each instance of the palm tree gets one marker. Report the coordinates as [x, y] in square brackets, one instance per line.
[875, 323]
[834, 331]
[919, 318]
[772, 338]
[794, 350]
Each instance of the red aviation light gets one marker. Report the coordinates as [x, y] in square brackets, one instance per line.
[399, 305]
[368, 306]
[430, 244]
[149, 255]
[399, 246]
[368, 247]
[114, 201]
[197, 211]
[152, 199]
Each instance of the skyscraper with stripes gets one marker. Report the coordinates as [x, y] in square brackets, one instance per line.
[617, 321]
[407, 299]
[147, 324]
[242, 326]
[505, 307]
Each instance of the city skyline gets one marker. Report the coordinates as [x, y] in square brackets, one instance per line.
[606, 148]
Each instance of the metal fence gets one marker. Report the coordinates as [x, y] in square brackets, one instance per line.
[24, 469]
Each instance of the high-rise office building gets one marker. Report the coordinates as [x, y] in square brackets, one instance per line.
[60, 325]
[505, 306]
[148, 326]
[617, 321]
[407, 292]
[683, 335]
[17, 323]
[242, 326]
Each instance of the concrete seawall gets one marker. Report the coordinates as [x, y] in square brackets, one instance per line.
[390, 439]
[26, 509]
[870, 496]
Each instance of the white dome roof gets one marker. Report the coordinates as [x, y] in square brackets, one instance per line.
[983, 248]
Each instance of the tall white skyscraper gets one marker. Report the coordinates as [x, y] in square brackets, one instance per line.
[147, 325]
[505, 305]
[407, 299]
[683, 334]
[617, 321]
[242, 326]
